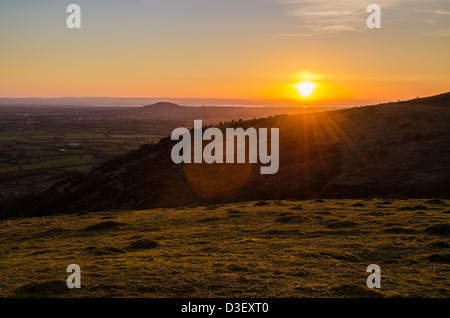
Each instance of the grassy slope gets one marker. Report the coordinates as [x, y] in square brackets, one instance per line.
[282, 249]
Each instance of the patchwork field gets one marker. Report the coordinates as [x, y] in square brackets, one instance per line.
[284, 248]
[41, 147]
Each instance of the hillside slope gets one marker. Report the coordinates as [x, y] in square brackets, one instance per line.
[390, 150]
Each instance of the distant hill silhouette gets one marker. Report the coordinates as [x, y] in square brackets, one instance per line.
[391, 150]
[163, 106]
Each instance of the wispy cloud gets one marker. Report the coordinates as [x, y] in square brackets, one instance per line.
[325, 16]
[437, 12]
[330, 16]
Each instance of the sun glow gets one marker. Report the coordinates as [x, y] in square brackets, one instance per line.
[306, 88]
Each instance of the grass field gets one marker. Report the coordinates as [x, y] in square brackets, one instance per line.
[253, 249]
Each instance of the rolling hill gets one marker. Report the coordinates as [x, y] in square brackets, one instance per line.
[397, 150]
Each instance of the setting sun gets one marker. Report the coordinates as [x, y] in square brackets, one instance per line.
[305, 89]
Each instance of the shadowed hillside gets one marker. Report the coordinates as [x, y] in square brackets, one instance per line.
[40, 146]
[390, 150]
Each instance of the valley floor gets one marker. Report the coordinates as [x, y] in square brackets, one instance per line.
[259, 249]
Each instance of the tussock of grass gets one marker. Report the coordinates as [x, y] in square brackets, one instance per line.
[52, 288]
[210, 219]
[439, 258]
[439, 229]
[232, 211]
[143, 244]
[436, 201]
[375, 213]
[261, 203]
[292, 219]
[104, 226]
[399, 230]
[412, 208]
[343, 224]
[211, 208]
[439, 244]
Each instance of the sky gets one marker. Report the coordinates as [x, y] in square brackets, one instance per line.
[241, 49]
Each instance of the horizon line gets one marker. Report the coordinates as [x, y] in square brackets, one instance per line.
[199, 101]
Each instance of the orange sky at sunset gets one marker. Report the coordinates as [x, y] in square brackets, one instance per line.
[256, 50]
